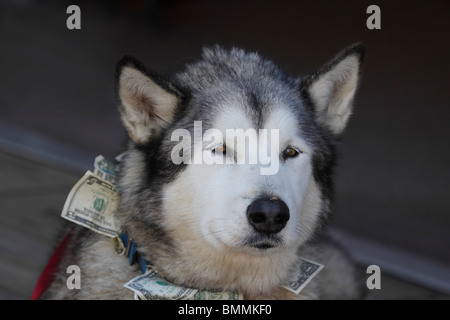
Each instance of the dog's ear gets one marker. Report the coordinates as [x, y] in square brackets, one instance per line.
[148, 102]
[333, 87]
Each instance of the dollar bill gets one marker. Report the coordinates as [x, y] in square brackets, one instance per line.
[106, 169]
[306, 271]
[218, 295]
[93, 203]
[152, 286]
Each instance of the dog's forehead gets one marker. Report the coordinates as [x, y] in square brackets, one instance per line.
[273, 117]
[231, 115]
[236, 115]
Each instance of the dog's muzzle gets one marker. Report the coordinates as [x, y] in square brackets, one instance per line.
[268, 216]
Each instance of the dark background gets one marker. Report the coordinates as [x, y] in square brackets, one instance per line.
[58, 104]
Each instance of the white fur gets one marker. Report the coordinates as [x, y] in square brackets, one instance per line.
[209, 218]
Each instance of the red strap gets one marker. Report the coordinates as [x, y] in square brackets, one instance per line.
[48, 274]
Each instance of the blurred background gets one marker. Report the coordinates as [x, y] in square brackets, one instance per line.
[58, 110]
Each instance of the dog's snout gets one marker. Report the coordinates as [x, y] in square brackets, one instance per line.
[268, 216]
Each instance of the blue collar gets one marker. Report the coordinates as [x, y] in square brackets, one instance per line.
[132, 253]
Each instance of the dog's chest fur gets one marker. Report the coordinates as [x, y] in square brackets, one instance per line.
[104, 273]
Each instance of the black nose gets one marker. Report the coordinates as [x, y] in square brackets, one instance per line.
[268, 216]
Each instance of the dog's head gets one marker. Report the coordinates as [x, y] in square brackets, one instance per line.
[232, 151]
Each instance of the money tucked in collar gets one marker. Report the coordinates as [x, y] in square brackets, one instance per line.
[152, 286]
[106, 170]
[306, 271]
[93, 203]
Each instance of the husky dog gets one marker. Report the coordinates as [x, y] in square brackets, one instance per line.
[227, 226]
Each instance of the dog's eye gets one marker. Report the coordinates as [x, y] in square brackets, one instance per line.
[222, 149]
[290, 152]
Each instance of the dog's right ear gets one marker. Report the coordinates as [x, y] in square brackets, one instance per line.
[148, 102]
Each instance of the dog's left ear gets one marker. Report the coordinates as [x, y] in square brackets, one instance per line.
[333, 87]
[148, 101]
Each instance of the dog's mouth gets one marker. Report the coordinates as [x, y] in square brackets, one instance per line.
[263, 246]
[264, 243]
